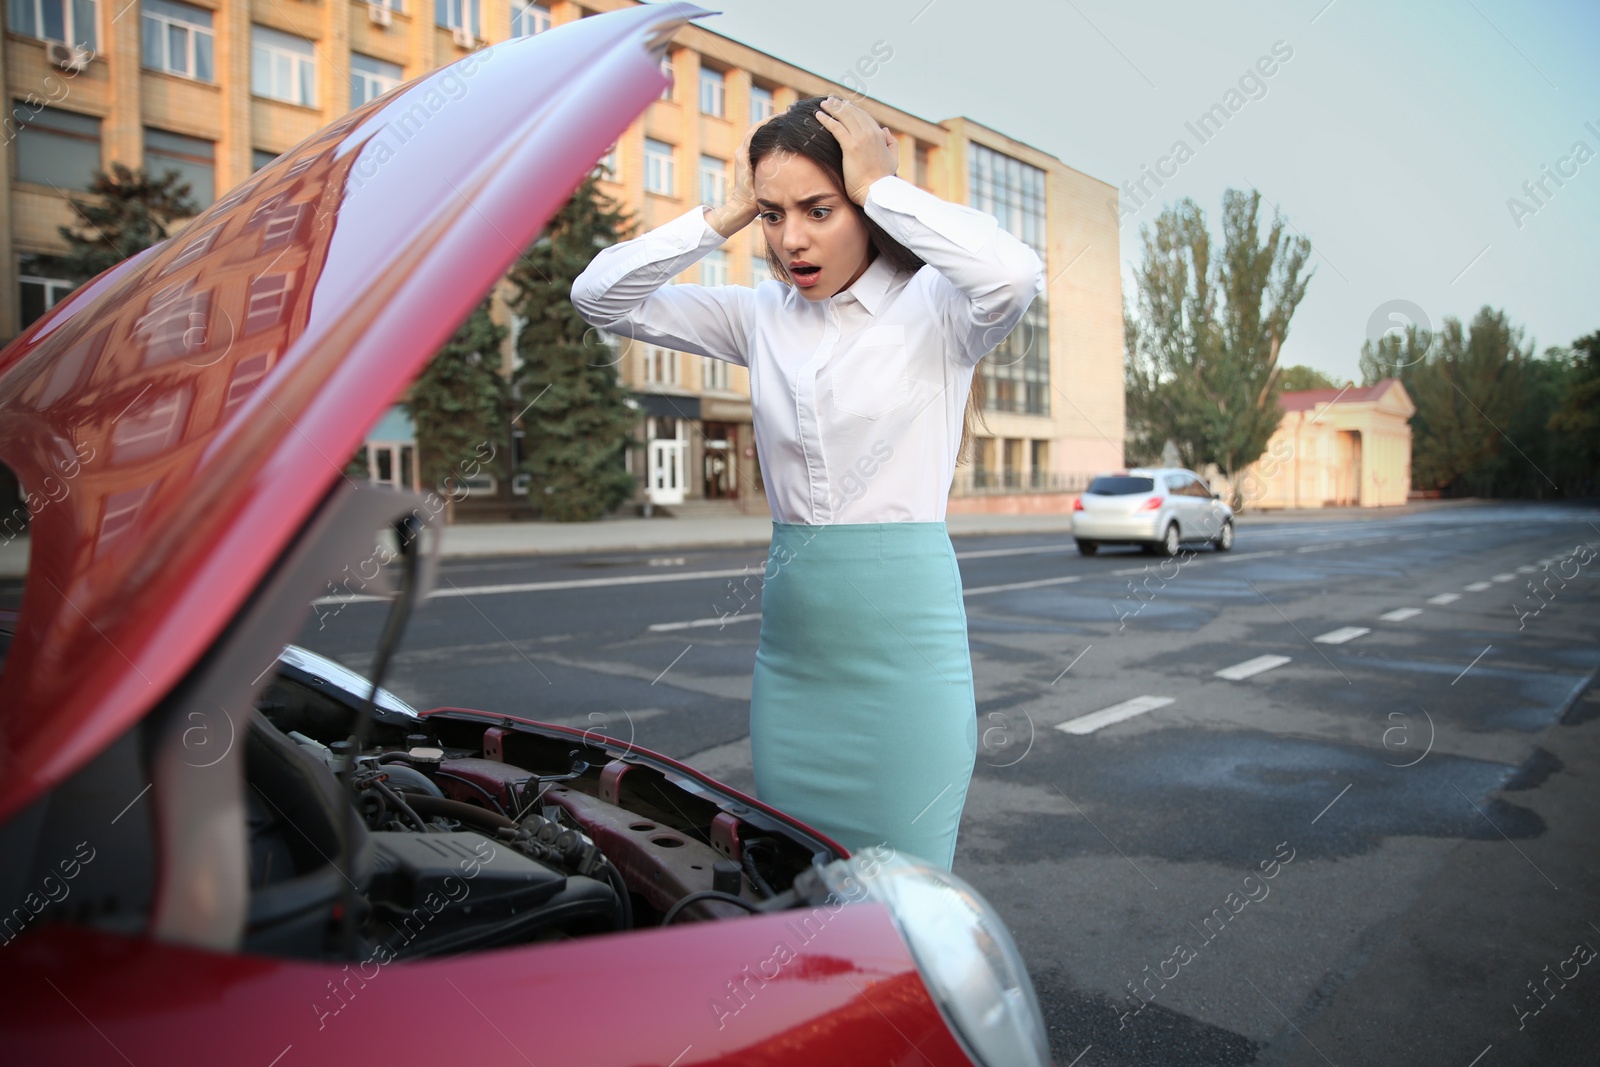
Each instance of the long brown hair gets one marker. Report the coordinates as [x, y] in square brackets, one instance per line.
[796, 131]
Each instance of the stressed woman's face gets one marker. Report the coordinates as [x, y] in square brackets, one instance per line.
[810, 225]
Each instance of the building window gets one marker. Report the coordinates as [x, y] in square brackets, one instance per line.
[666, 68]
[194, 160]
[1039, 464]
[371, 78]
[660, 365]
[760, 270]
[458, 15]
[1017, 374]
[608, 163]
[260, 157]
[151, 428]
[177, 39]
[658, 168]
[1011, 191]
[283, 67]
[245, 376]
[528, 19]
[713, 175]
[55, 147]
[68, 21]
[197, 247]
[760, 104]
[42, 287]
[714, 268]
[269, 296]
[713, 90]
[714, 374]
[921, 171]
[281, 225]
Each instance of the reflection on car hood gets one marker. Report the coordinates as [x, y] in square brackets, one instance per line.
[343, 683]
[177, 419]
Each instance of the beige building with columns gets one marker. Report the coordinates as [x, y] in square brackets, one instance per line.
[1347, 447]
[217, 88]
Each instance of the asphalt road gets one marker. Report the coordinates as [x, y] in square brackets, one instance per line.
[1423, 792]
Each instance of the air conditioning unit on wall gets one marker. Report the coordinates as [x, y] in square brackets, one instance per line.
[463, 37]
[66, 57]
[379, 14]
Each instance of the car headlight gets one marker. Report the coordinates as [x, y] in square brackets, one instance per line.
[962, 949]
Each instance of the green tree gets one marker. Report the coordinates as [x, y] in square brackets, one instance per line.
[1297, 378]
[1575, 424]
[1397, 355]
[1492, 418]
[577, 421]
[1202, 348]
[1468, 392]
[458, 402]
[130, 212]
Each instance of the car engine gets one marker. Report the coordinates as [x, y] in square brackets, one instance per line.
[458, 831]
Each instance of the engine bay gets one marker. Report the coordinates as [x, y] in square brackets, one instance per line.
[458, 831]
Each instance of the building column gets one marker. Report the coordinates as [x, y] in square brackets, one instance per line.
[236, 150]
[122, 131]
[333, 60]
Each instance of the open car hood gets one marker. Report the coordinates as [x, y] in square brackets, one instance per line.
[176, 420]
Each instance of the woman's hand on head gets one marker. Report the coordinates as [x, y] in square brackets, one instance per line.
[739, 210]
[870, 152]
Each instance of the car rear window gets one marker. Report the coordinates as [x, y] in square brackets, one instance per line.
[1121, 485]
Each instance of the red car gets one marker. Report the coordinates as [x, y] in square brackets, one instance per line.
[221, 850]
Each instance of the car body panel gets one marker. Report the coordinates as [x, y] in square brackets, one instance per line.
[843, 988]
[184, 413]
[1120, 528]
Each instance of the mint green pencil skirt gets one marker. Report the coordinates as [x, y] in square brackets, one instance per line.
[863, 722]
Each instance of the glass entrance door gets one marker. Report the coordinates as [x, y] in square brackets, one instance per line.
[669, 460]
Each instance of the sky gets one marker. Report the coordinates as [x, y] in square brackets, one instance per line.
[1392, 137]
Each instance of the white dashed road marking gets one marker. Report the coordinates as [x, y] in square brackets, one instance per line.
[694, 624]
[1526, 570]
[1039, 584]
[1476, 587]
[1088, 724]
[1400, 614]
[1250, 667]
[1505, 577]
[1341, 635]
[1444, 598]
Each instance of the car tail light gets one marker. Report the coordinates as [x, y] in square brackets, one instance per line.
[1153, 504]
[1077, 503]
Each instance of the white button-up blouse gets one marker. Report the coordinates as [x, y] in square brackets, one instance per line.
[858, 399]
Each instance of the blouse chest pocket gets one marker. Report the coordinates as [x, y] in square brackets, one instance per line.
[872, 378]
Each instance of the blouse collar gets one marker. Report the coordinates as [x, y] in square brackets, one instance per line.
[873, 285]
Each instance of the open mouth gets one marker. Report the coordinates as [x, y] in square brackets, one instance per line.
[806, 275]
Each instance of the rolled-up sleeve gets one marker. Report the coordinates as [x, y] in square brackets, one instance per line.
[625, 291]
[992, 276]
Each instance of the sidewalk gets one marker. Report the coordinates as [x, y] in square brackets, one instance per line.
[633, 534]
[630, 534]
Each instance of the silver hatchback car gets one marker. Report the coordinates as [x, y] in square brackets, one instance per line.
[1156, 508]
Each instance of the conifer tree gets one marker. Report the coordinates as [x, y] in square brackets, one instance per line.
[577, 420]
[133, 211]
[458, 403]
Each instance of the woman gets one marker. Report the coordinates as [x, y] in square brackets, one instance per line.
[862, 716]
